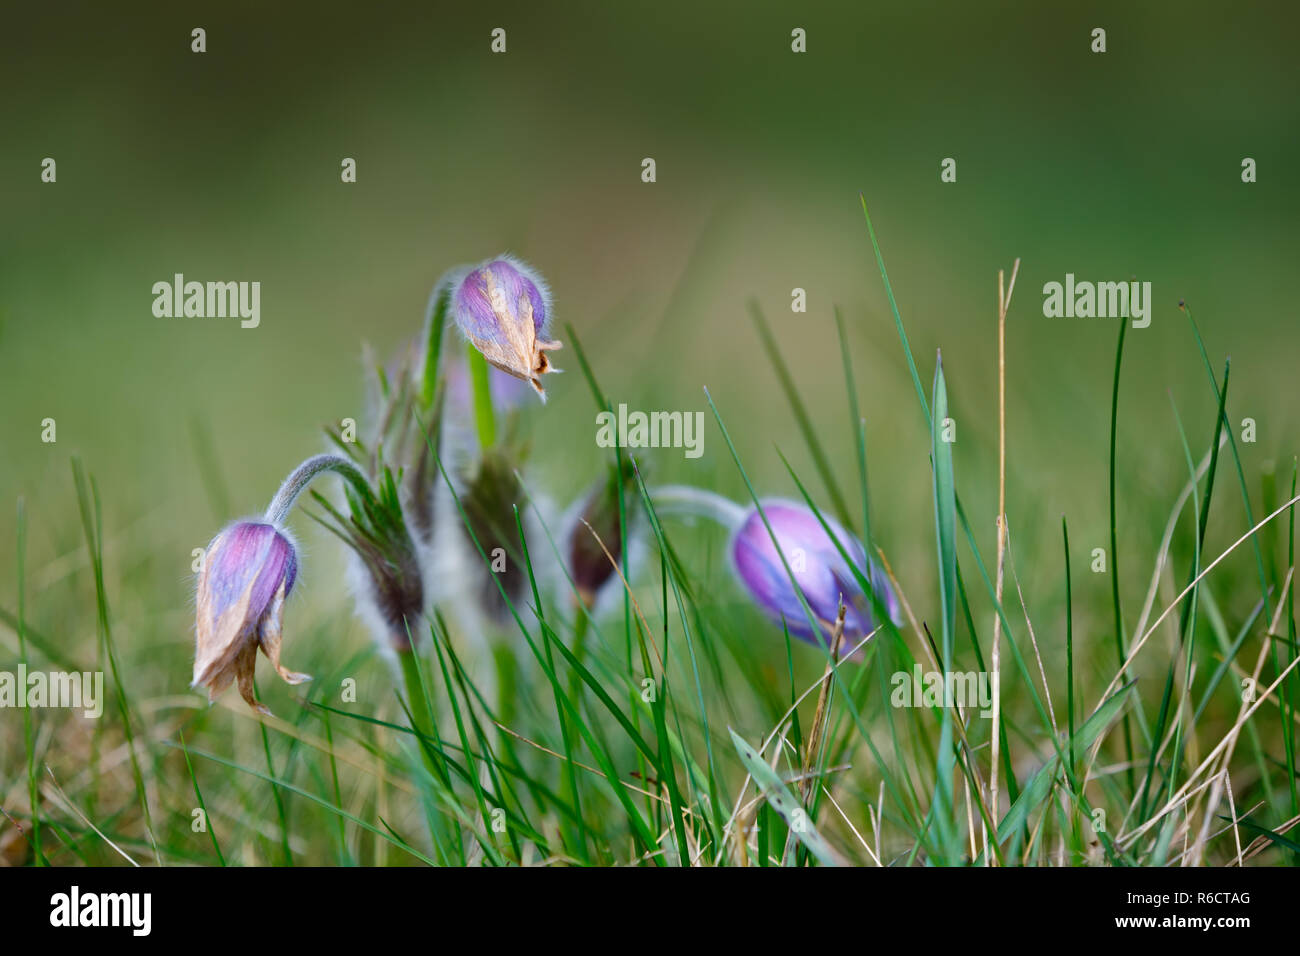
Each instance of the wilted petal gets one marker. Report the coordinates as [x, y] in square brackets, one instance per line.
[220, 680]
[270, 640]
[245, 667]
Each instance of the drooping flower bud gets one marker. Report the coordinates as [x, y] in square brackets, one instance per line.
[503, 308]
[824, 577]
[490, 497]
[589, 565]
[248, 571]
[388, 577]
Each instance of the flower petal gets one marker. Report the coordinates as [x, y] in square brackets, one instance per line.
[269, 638]
[245, 665]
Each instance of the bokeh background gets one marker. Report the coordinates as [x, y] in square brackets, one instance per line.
[225, 166]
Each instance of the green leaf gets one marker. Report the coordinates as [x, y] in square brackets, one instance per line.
[1264, 831]
[781, 800]
[1040, 785]
[945, 520]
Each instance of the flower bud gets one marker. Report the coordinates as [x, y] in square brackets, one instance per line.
[589, 565]
[386, 569]
[392, 588]
[404, 434]
[503, 308]
[490, 497]
[248, 571]
[823, 576]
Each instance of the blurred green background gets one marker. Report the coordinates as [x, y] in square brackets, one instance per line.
[225, 166]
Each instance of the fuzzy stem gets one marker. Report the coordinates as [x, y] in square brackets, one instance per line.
[302, 476]
[685, 500]
[434, 322]
[484, 416]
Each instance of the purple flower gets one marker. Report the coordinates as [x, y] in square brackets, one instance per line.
[823, 575]
[503, 308]
[248, 571]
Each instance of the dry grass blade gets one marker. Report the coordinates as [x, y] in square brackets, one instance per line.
[67, 802]
[813, 745]
[1138, 645]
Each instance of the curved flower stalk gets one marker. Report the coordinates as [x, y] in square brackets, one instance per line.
[818, 565]
[503, 308]
[248, 571]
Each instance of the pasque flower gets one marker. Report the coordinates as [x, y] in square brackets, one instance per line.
[823, 576]
[248, 571]
[503, 308]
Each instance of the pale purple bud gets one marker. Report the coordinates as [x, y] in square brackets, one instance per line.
[503, 308]
[248, 571]
[824, 578]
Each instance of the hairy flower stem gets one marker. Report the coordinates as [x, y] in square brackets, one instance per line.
[302, 476]
[435, 321]
[698, 503]
[484, 415]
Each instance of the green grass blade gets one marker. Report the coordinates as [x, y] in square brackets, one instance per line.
[783, 802]
[945, 510]
[1120, 653]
